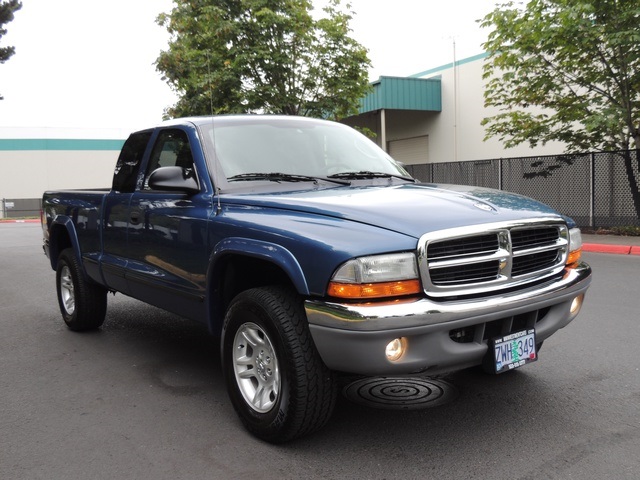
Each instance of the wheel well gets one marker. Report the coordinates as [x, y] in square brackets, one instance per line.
[235, 274]
[58, 240]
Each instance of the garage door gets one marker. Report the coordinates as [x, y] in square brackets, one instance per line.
[410, 151]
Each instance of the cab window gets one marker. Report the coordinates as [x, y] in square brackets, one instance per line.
[171, 149]
[128, 164]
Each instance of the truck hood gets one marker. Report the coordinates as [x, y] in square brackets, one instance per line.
[408, 209]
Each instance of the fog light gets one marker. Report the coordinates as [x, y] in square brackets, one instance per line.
[576, 304]
[396, 348]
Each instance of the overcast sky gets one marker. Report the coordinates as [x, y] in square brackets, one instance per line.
[90, 64]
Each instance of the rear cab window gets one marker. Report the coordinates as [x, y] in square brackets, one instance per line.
[128, 164]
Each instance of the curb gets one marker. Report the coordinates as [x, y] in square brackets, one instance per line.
[28, 220]
[616, 249]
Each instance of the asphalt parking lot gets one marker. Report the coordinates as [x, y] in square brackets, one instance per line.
[143, 398]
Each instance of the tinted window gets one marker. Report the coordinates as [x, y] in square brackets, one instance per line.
[170, 150]
[128, 164]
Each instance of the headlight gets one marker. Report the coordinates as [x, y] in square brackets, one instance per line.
[575, 246]
[376, 276]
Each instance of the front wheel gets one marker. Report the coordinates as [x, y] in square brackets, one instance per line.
[83, 304]
[276, 380]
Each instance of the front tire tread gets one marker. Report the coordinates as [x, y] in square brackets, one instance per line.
[311, 391]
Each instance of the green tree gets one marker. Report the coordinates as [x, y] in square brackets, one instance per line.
[567, 71]
[578, 61]
[7, 10]
[271, 56]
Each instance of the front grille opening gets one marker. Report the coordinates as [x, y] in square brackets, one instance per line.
[534, 262]
[534, 237]
[498, 328]
[470, 273]
[501, 257]
[462, 247]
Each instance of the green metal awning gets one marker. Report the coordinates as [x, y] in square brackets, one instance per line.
[402, 93]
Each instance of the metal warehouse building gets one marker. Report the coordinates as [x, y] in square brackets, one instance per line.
[434, 116]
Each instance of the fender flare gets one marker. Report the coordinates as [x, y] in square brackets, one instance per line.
[271, 252]
[248, 247]
[62, 221]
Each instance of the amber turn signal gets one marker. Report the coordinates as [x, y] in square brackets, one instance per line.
[575, 247]
[373, 290]
[574, 257]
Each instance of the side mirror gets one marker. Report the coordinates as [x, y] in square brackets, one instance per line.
[173, 178]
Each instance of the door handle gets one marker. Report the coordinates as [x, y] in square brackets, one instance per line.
[135, 217]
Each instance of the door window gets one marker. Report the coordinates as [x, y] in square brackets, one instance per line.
[171, 150]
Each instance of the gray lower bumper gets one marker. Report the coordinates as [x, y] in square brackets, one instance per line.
[352, 338]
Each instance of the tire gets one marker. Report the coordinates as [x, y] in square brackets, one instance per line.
[276, 380]
[83, 304]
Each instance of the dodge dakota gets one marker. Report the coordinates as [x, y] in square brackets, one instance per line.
[310, 253]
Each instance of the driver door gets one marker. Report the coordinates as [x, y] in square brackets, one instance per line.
[167, 234]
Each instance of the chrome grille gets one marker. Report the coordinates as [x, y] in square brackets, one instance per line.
[534, 249]
[534, 262]
[461, 274]
[526, 238]
[485, 258]
[463, 246]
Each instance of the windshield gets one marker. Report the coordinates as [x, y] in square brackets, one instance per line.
[246, 147]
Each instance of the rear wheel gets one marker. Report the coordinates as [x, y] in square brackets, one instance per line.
[83, 304]
[276, 380]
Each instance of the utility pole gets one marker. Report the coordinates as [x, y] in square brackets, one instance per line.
[455, 102]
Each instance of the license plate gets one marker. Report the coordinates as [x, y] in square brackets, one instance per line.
[514, 350]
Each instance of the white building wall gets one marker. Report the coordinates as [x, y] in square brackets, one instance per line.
[27, 174]
[456, 134]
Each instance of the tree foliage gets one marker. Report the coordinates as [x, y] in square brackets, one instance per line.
[564, 70]
[7, 10]
[271, 56]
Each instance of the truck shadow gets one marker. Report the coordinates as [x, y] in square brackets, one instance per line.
[178, 355]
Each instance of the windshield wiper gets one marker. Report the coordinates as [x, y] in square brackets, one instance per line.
[364, 174]
[285, 177]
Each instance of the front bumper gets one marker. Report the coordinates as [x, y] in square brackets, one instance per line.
[353, 338]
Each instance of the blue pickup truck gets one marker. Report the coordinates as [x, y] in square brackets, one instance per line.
[311, 253]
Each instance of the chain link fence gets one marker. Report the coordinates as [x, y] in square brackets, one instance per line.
[595, 189]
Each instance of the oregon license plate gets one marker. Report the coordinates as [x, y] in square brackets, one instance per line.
[514, 350]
